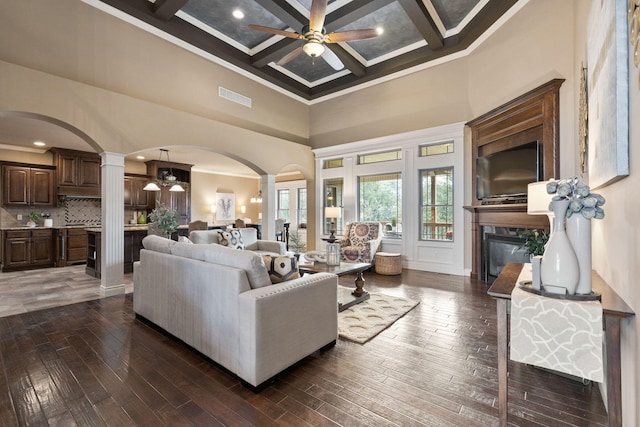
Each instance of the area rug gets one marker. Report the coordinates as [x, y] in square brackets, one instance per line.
[364, 321]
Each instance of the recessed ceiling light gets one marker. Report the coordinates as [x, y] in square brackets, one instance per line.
[379, 30]
[39, 144]
[140, 157]
[237, 13]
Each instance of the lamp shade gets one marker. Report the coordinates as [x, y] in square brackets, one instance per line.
[152, 186]
[537, 198]
[176, 187]
[333, 212]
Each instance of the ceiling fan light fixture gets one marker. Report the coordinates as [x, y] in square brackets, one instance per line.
[313, 48]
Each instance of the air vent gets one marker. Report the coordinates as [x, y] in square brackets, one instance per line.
[233, 96]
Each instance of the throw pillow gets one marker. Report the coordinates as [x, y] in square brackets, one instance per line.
[231, 239]
[281, 268]
[184, 239]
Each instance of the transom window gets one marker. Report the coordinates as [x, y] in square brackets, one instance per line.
[435, 149]
[380, 199]
[385, 156]
[333, 163]
[436, 205]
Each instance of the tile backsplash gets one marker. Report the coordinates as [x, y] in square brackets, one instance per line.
[75, 211]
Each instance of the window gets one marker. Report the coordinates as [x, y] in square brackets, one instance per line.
[333, 191]
[283, 204]
[435, 149]
[333, 163]
[436, 204]
[302, 207]
[380, 199]
[386, 156]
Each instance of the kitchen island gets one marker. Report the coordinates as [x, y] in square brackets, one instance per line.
[133, 235]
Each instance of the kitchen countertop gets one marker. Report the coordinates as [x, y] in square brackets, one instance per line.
[133, 227]
[55, 227]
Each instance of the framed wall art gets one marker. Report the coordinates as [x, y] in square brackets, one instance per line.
[607, 83]
[225, 206]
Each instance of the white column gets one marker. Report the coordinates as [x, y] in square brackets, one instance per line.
[268, 188]
[112, 245]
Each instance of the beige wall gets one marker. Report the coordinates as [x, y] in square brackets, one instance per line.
[71, 39]
[206, 185]
[616, 253]
[533, 47]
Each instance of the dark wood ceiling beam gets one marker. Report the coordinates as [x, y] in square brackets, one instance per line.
[284, 12]
[352, 12]
[165, 9]
[274, 52]
[423, 21]
[355, 66]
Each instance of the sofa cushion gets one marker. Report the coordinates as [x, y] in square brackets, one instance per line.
[158, 243]
[204, 236]
[184, 239]
[231, 239]
[281, 267]
[248, 261]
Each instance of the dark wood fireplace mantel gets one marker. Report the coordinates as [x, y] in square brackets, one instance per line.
[510, 216]
[534, 115]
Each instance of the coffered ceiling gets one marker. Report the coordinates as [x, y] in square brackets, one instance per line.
[413, 32]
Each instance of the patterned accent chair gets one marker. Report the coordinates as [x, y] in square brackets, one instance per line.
[360, 242]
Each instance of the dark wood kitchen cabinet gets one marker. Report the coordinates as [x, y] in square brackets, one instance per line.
[27, 249]
[134, 195]
[71, 246]
[78, 172]
[28, 185]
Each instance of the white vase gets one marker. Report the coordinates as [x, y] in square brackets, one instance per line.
[559, 267]
[579, 233]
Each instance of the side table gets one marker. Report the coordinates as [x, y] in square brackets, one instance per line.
[613, 309]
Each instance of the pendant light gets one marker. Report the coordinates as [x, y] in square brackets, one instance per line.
[168, 179]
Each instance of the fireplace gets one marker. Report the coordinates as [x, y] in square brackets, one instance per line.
[500, 246]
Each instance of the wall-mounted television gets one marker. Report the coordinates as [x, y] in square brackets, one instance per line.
[505, 174]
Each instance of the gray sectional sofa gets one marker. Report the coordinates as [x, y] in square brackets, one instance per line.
[221, 302]
[249, 238]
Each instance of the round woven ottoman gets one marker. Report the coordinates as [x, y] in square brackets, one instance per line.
[388, 264]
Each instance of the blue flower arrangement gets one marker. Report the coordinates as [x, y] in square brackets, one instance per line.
[581, 199]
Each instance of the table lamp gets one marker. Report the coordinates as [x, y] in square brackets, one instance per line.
[332, 212]
[538, 201]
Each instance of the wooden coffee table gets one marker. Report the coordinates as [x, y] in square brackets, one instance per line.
[346, 297]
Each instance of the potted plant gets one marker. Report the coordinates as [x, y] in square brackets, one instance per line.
[165, 219]
[534, 241]
[34, 217]
[296, 244]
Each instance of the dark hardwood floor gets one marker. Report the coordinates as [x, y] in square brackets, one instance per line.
[94, 363]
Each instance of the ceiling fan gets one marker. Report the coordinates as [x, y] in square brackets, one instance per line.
[315, 36]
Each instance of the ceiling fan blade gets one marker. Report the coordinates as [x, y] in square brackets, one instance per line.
[332, 59]
[317, 15]
[276, 31]
[289, 56]
[351, 35]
